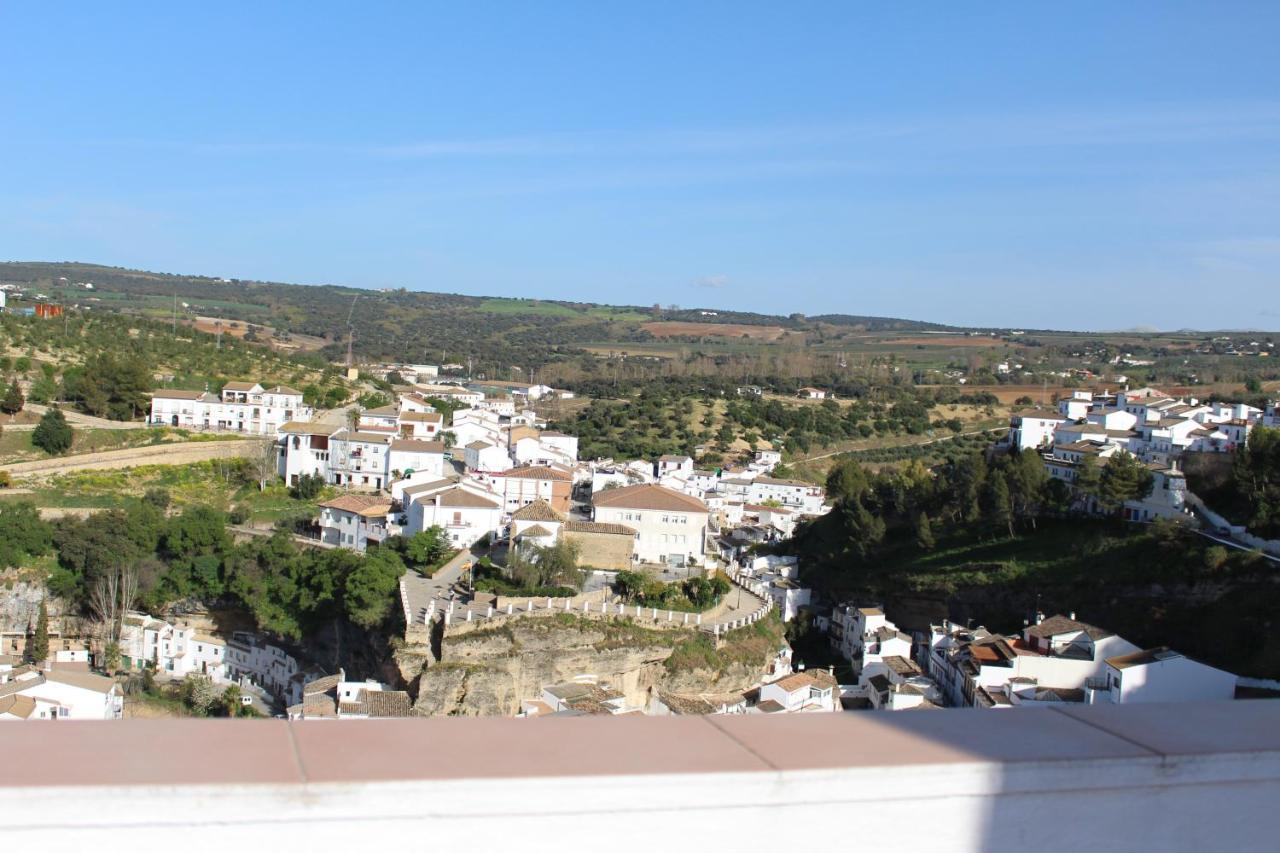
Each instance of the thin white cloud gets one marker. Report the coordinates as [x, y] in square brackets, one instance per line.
[712, 281]
[1159, 124]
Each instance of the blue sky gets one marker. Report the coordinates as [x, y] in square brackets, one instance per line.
[1065, 165]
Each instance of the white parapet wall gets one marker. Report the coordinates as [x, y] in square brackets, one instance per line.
[1170, 778]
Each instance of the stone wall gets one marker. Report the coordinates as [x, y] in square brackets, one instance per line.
[602, 550]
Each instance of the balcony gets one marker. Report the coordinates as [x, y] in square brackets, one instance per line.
[1169, 778]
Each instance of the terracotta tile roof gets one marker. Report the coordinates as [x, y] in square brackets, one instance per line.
[648, 496]
[172, 394]
[1060, 624]
[460, 497]
[902, 666]
[321, 685]
[423, 488]
[239, 386]
[769, 706]
[802, 681]
[365, 505]
[537, 472]
[18, 706]
[535, 531]
[539, 510]
[284, 389]
[422, 417]
[303, 428]
[479, 445]
[381, 412]
[413, 445]
[83, 680]
[1143, 657]
[363, 435]
[387, 703]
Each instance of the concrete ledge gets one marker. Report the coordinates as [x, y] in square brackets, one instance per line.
[1146, 777]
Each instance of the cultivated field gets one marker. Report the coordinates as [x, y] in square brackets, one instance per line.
[683, 329]
[238, 329]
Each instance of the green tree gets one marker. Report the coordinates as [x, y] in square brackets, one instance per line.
[924, 532]
[44, 388]
[1256, 470]
[13, 400]
[109, 385]
[426, 547]
[1088, 477]
[23, 533]
[999, 506]
[308, 487]
[199, 694]
[230, 701]
[1124, 478]
[38, 650]
[1027, 481]
[371, 587]
[53, 434]
[1215, 557]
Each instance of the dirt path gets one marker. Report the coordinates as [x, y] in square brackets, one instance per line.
[160, 454]
[76, 419]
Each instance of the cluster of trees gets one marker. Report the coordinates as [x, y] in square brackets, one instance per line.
[109, 385]
[913, 504]
[110, 360]
[140, 556]
[656, 418]
[693, 595]
[53, 434]
[1256, 471]
[550, 570]
[11, 397]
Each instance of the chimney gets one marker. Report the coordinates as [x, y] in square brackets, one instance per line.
[1072, 617]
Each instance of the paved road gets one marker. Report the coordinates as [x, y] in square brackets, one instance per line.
[421, 591]
[159, 454]
[1231, 543]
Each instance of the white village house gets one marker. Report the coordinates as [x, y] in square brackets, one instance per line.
[671, 527]
[245, 407]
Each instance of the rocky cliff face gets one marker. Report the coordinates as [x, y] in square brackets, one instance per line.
[20, 595]
[490, 672]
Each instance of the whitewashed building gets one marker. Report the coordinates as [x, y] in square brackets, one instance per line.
[355, 521]
[671, 527]
[176, 650]
[60, 694]
[245, 407]
[465, 511]
[1159, 675]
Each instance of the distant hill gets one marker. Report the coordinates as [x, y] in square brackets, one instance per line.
[410, 325]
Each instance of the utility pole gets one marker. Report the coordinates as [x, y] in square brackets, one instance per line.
[351, 332]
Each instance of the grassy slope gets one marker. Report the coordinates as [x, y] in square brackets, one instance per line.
[1149, 589]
